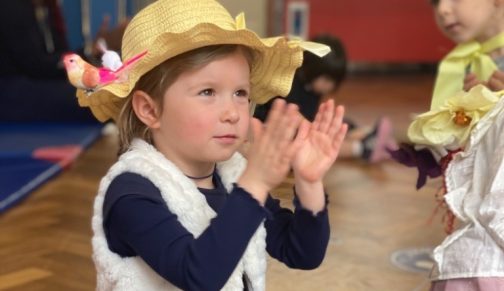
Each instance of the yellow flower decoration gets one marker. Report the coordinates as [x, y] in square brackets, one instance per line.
[450, 126]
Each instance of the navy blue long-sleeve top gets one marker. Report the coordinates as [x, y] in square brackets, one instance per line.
[137, 222]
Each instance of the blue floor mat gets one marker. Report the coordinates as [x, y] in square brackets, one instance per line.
[24, 163]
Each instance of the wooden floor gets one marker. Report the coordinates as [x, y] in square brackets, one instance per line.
[374, 211]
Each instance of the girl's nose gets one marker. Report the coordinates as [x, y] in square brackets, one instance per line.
[443, 7]
[230, 112]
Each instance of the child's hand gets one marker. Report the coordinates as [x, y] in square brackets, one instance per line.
[470, 81]
[271, 152]
[496, 81]
[321, 143]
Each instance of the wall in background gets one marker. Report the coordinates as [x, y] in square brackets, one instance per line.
[374, 31]
[72, 11]
[255, 13]
[380, 31]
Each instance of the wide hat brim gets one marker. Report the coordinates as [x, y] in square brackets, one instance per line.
[271, 74]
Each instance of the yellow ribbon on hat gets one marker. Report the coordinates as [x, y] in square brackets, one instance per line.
[452, 69]
[240, 21]
[315, 48]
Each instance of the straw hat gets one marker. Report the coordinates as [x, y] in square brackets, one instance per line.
[167, 28]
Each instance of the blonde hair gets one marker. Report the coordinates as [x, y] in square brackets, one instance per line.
[160, 78]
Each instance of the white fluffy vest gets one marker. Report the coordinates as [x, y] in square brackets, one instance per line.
[183, 199]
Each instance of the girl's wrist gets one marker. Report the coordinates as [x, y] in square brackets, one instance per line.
[310, 188]
[310, 194]
[306, 184]
[256, 190]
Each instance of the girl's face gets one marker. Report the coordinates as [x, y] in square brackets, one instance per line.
[467, 20]
[205, 114]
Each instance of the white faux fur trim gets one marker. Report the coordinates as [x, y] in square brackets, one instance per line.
[183, 199]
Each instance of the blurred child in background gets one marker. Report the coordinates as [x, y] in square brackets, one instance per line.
[478, 30]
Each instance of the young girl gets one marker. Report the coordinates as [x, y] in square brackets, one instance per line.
[471, 257]
[477, 26]
[181, 208]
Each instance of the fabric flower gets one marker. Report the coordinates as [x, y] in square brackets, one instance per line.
[450, 126]
[422, 159]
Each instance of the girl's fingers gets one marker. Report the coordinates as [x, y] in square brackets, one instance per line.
[318, 117]
[279, 131]
[470, 81]
[291, 151]
[302, 133]
[279, 117]
[499, 75]
[257, 128]
[336, 122]
[303, 130]
[496, 83]
[470, 77]
[289, 122]
[339, 137]
[276, 112]
[327, 116]
[288, 127]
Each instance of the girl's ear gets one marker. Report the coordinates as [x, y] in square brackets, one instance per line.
[145, 109]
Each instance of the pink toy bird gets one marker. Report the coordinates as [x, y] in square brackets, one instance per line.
[85, 76]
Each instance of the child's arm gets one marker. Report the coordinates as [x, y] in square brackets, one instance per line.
[298, 239]
[321, 142]
[271, 153]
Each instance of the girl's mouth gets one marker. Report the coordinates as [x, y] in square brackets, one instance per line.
[227, 138]
[451, 27]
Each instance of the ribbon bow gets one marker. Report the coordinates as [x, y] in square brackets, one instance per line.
[473, 56]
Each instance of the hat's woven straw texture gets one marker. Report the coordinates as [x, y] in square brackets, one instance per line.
[167, 28]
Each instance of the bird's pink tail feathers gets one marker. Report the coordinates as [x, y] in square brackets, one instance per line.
[131, 61]
[122, 73]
